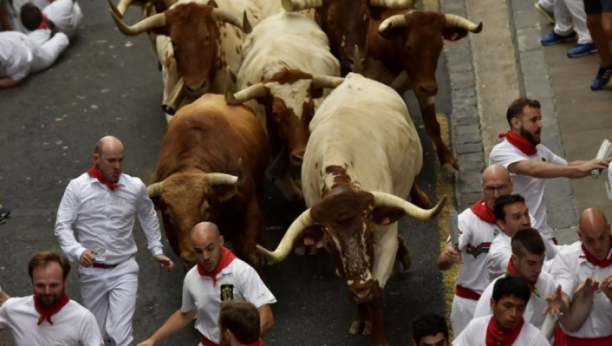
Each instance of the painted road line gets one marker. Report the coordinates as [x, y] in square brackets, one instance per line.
[444, 187]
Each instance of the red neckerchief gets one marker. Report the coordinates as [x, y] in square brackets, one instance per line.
[94, 172]
[47, 311]
[226, 258]
[510, 271]
[483, 212]
[258, 343]
[495, 336]
[520, 142]
[594, 261]
[43, 23]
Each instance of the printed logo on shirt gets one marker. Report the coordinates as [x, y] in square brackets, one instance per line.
[478, 250]
[227, 292]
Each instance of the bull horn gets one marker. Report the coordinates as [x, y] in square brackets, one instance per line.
[394, 4]
[286, 244]
[122, 7]
[172, 102]
[244, 95]
[221, 15]
[214, 179]
[298, 5]
[396, 21]
[154, 21]
[460, 22]
[382, 199]
[320, 81]
[155, 189]
[357, 66]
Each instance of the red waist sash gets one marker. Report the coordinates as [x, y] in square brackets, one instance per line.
[574, 341]
[466, 293]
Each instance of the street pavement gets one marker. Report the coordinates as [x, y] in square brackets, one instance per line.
[107, 83]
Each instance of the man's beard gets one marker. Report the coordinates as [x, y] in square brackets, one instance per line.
[530, 136]
[47, 300]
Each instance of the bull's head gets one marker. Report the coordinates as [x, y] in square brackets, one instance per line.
[420, 35]
[348, 220]
[188, 198]
[194, 31]
[346, 23]
[288, 97]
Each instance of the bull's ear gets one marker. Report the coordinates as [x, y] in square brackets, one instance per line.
[454, 33]
[387, 215]
[224, 192]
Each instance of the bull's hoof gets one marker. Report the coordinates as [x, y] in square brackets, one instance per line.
[450, 169]
[360, 327]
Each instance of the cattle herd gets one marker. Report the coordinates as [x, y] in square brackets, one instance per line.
[308, 94]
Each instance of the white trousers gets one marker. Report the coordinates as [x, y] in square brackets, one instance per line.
[462, 312]
[44, 50]
[110, 294]
[549, 5]
[570, 15]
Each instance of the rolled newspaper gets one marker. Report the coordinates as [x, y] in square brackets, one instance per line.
[604, 151]
[453, 229]
[549, 326]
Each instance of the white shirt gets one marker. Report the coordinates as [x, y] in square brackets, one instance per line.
[238, 281]
[104, 219]
[15, 56]
[532, 189]
[475, 237]
[73, 325]
[546, 285]
[65, 14]
[570, 271]
[475, 334]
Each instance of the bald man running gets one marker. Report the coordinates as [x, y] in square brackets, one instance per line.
[218, 276]
[584, 272]
[477, 229]
[100, 205]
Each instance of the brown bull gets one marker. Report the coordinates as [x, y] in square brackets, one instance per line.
[403, 51]
[203, 45]
[211, 168]
[346, 23]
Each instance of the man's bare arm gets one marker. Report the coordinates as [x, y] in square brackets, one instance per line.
[266, 319]
[544, 170]
[7, 82]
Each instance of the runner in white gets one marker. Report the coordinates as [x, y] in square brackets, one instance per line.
[512, 215]
[239, 324]
[531, 162]
[63, 14]
[506, 326]
[217, 277]
[430, 329]
[21, 55]
[49, 317]
[527, 260]
[101, 205]
[477, 229]
[584, 272]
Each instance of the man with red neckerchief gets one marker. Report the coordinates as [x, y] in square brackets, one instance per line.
[49, 317]
[101, 206]
[531, 162]
[218, 276]
[512, 215]
[527, 260]
[584, 271]
[506, 327]
[477, 229]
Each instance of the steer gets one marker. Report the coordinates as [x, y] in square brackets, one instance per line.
[211, 167]
[286, 64]
[360, 163]
[202, 45]
[403, 51]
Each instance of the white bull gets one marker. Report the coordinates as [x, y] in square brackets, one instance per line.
[359, 166]
[286, 64]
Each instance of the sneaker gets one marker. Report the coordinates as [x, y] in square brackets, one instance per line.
[550, 16]
[554, 38]
[581, 50]
[4, 213]
[602, 78]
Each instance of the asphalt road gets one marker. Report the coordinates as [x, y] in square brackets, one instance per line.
[106, 83]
